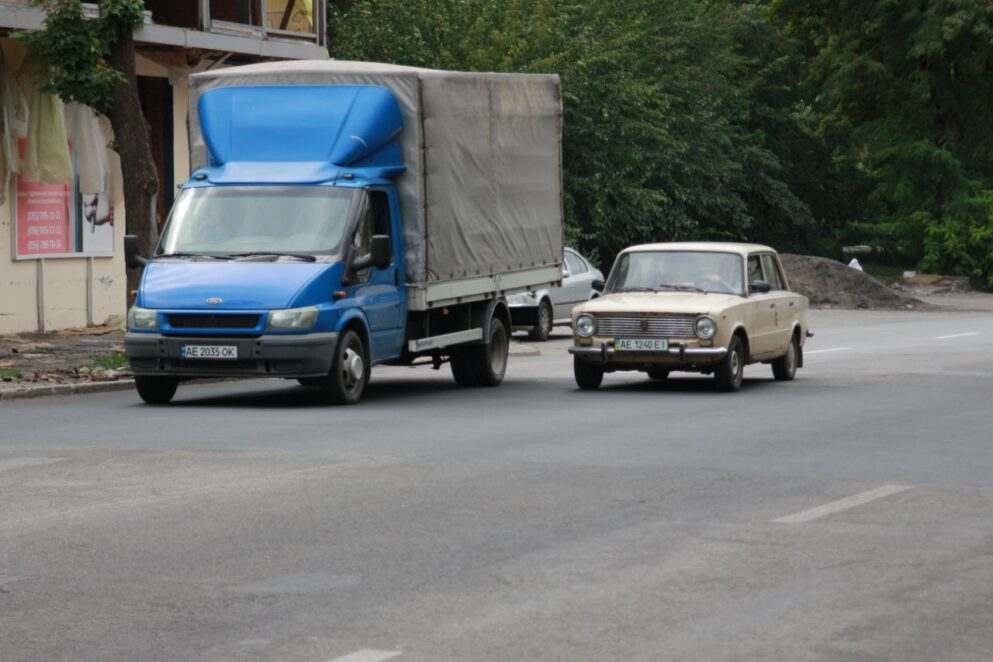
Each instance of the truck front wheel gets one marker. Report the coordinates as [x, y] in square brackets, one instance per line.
[156, 390]
[489, 361]
[349, 371]
[588, 376]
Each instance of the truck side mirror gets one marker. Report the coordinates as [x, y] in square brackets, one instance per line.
[759, 286]
[382, 251]
[380, 254]
[132, 250]
[598, 284]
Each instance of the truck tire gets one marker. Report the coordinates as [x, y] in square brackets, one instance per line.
[589, 376]
[462, 369]
[784, 368]
[156, 390]
[489, 361]
[349, 371]
[543, 328]
[729, 373]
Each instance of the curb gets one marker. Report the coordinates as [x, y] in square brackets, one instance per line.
[66, 389]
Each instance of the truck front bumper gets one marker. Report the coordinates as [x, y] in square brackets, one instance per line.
[307, 355]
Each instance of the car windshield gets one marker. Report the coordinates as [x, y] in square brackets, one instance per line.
[691, 271]
[238, 220]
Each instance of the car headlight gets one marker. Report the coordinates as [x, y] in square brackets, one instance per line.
[142, 318]
[585, 325]
[705, 327]
[297, 319]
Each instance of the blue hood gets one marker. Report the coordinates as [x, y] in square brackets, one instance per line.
[240, 285]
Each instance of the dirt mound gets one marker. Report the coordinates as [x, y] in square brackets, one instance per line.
[829, 283]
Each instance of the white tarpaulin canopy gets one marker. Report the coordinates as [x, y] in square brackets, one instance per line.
[482, 194]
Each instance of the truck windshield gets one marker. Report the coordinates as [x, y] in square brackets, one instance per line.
[257, 219]
[677, 271]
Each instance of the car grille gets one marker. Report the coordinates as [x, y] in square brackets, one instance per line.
[660, 326]
[213, 321]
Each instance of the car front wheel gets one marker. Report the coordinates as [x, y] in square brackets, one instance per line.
[729, 373]
[589, 376]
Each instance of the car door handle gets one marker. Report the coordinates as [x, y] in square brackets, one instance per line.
[772, 305]
[792, 303]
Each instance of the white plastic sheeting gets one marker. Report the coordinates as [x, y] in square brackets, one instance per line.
[482, 194]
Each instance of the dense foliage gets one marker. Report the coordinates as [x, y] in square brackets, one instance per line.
[801, 124]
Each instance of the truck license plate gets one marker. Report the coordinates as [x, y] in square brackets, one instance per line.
[640, 345]
[224, 352]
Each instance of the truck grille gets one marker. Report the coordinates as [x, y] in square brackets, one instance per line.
[213, 321]
[661, 326]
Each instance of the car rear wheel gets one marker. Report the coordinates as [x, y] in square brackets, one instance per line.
[729, 374]
[349, 371]
[543, 328]
[784, 368]
[589, 376]
[156, 390]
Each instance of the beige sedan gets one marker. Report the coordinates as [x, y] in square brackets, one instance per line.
[698, 307]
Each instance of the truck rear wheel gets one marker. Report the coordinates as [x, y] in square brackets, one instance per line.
[489, 361]
[349, 371]
[462, 369]
[156, 390]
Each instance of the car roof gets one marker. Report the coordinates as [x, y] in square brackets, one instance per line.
[702, 246]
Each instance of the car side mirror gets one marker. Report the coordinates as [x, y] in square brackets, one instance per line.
[380, 254]
[599, 284]
[132, 250]
[759, 287]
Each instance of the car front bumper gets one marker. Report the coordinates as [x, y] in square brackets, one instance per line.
[292, 356]
[677, 354]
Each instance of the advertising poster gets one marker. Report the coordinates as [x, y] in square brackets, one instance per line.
[44, 218]
[55, 219]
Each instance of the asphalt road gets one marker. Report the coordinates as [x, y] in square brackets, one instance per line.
[847, 515]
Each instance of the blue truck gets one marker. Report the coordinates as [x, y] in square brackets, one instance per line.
[342, 215]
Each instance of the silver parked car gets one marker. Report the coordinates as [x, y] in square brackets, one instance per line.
[538, 311]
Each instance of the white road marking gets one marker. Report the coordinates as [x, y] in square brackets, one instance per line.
[825, 351]
[842, 504]
[956, 335]
[367, 655]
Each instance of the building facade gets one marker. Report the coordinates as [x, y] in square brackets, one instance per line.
[62, 216]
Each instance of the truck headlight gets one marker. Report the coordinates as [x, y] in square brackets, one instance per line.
[298, 319]
[142, 318]
[585, 325]
[705, 327]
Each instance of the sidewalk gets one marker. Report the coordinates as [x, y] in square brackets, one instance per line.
[83, 360]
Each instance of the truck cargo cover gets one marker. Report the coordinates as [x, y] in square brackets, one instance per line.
[482, 193]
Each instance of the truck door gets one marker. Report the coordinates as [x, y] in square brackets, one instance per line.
[379, 293]
[786, 309]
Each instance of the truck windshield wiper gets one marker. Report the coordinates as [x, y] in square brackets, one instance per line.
[299, 256]
[635, 289]
[682, 288]
[210, 255]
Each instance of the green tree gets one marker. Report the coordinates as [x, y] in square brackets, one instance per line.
[92, 61]
[683, 119]
[908, 83]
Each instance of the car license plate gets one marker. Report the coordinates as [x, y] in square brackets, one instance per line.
[640, 345]
[223, 352]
